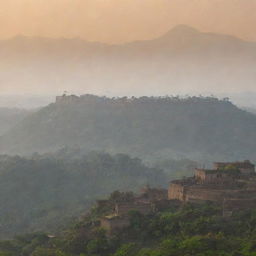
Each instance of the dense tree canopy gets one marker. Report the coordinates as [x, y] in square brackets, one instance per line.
[192, 230]
[151, 128]
[44, 192]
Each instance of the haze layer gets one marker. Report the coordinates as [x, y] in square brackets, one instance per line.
[116, 21]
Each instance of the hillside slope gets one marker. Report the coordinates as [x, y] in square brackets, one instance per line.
[198, 128]
[44, 192]
[191, 230]
[10, 117]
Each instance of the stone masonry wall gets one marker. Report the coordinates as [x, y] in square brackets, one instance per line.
[176, 191]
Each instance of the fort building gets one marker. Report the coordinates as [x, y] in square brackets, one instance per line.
[120, 217]
[67, 98]
[114, 223]
[231, 184]
[145, 203]
[153, 194]
[211, 176]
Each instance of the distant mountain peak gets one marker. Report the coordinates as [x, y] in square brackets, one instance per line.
[182, 29]
[179, 32]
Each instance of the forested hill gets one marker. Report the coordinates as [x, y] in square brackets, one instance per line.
[191, 230]
[149, 127]
[9, 117]
[44, 192]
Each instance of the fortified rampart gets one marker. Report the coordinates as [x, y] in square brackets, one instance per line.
[231, 184]
[177, 192]
[212, 176]
[149, 201]
[67, 98]
[113, 224]
[192, 193]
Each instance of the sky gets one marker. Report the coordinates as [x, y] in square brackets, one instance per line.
[114, 22]
[117, 21]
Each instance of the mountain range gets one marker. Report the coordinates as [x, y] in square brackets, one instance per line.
[183, 58]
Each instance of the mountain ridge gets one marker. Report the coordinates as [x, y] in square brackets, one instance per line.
[181, 61]
[147, 127]
[179, 29]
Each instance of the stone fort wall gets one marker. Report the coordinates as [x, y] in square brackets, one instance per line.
[176, 192]
[202, 193]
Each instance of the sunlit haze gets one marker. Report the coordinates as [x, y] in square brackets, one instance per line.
[33, 65]
[117, 21]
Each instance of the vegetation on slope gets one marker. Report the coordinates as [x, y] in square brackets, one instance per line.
[42, 193]
[9, 117]
[148, 127]
[191, 230]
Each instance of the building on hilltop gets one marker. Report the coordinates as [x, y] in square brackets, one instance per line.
[119, 219]
[114, 223]
[212, 176]
[149, 201]
[233, 185]
[228, 184]
[153, 194]
[67, 98]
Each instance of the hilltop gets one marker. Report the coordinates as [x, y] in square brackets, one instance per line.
[153, 128]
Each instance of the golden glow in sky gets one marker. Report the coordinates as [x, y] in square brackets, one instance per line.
[117, 21]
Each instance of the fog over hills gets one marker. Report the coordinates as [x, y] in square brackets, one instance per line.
[182, 61]
[152, 128]
[10, 117]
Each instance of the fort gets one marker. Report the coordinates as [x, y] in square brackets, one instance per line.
[231, 185]
[147, 202]
[67, 98]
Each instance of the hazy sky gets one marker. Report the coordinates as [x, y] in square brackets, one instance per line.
[124, 20]
[117, 21]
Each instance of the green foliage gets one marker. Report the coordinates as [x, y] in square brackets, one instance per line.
[231, 170]
[193, 230]
[6, 254]
[126, 250]
[99, 245]
[155, 128]
[43, 193]
[48, 252]
[9, 117]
